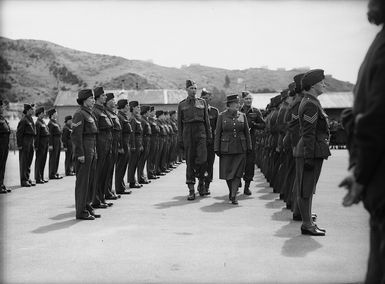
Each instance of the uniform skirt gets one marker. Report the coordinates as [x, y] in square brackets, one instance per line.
[231, 166]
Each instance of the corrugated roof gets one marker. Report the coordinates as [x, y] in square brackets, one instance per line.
[328, 100]
[161, 96]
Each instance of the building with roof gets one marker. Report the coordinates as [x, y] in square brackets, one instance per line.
[161, 99]
[333, 103]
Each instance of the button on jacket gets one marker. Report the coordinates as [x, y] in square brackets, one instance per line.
[26, 127]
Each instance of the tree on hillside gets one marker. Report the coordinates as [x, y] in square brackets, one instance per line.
[227, 82]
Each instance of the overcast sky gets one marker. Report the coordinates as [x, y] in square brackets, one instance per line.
[333, 35]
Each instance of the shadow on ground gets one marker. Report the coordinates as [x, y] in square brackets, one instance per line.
[55, 226]
[300, 246]
[64, 216]
[219, 207]
[178, 201]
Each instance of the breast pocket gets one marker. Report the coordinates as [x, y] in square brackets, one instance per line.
[225, 145]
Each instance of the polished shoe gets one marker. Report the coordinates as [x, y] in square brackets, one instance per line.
[100, 206]
[247, 191]
[191, 196]
[70, 174]
[58, 176]
[134, 185]
[95, 215]
[6, 189]
[153, 177]
[323, 230]
[31, 183]
[40, 181]
[44, 180]
[111, 197]
[161, 174]
[118, 195]
[234, 201]
[144, 181]
[26, 184]
[85, 217]
[109, 204]
[313, 231]
[2, 190]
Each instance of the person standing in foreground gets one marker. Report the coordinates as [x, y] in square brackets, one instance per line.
[41, 145]
[5, 131]
[67, 145]
[84, 141]
[54, 144]
[312, 147]
[193, 135]
[25, 135]
[365, 126]
[232, 142]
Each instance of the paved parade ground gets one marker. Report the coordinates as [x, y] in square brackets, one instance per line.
[156, 235]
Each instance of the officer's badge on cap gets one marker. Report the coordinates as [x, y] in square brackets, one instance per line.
[68, 117]
[122, 103]
[83, 95]
[158, 113]
[245, 94]
[205, 92]
[133, 103]
[232, 98]
[109, 96]
[312, 77]
[39, 110]
[51, 111]
[98, 91]
[27, 107]
[189, 83]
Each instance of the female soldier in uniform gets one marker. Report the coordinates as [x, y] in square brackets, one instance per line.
[232, 142]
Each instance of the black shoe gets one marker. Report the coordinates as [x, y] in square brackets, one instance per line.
[161, 174]
[44, 180]
[58, 177]
[125, 192]
[135, 185]
[32, 183]
[118, 195]
[40, 181]
[153, 177]
[313, 231]
[191, 196]
[70, 174]
[6, 189]
[109, 204]
[144, 181]
[2, 190]
[26, 184]
[323, 230]
[89, 217]
[247, 191]
[95, 215]
[100, 206]
[111, 197]
[234, 201]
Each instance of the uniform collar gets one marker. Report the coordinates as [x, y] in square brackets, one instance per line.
[190, 99]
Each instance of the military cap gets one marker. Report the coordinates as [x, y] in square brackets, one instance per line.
[172, 112]
[245, 94]
[189, 83]
[27, 107]
[312, 77]
[291, 89]
[68, 117]
[166, 112]
[133, 103]
[144, 109]
[159, 113]
[83, 95]
[51, 111]
[122, 103]
[205, 92]
[284, 93]
[152, 108]
[39, 110]
[98, 91]
[232, 98]
[297, 80]
[109, 96]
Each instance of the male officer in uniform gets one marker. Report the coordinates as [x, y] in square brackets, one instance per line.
[255, 122]
[55, 133]
[5, 131]
[126, 143]
[144, 111]
[193, 136]
[366, 128]
[213, 117]
[84, 131]
[25, 135]
[41, 145]
[67, 145]
[103, 147]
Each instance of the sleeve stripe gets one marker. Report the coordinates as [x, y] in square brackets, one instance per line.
[310, 119]
[293, 116]
[76, 124]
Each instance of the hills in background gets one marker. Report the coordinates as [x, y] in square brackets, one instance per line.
[35, 71]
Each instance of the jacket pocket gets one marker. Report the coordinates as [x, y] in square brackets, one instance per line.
[225, 145]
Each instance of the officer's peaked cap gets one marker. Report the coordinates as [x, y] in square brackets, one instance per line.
[312, 77]
[232, 98]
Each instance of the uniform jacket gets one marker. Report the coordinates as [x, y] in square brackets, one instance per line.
[66, 137]
[314, 129]
[117, 128]
[83, 124]
[137, 131]
[146, 126]
[254, 118]
[232, 135]
[126, 128]
[213, 117]
[25, 127]
[294, 120]
[54, 131]
[192, 110]
[103, 121]
[4, 126]
[155, 130]
[42, 131]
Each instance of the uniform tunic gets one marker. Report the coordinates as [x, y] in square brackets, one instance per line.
[84, 142]
[136, 150]
[162, 147]
[5, 131]
[313, 143]
[146, 148]
[213, 117]
[67, 144]
[194, 131]
[154, 148]
[54, 141]
[41, 146]
[232, 142]
[25, 135]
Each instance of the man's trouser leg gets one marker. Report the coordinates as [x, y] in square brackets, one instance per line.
[4, 148]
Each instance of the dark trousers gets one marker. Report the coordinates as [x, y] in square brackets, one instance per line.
[376, 262]
[68, 162]
[210, 163]
[84, 186]
[25, 158]
[108, 192]
[104, 151]
[54, 157]
[41, 158]
[121, 166]
[154, 148]
[307, 179]
[4, 148]
[164, 156]
[133, 165]
[195, 150]
[158, 157]
[250, 164]
[144, 158]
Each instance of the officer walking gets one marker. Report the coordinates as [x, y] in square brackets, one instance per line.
[255, 122]
[54, 144]
[5, 131]
[213, 117]
[84, 141]
[194, 133]
[67, 145]
[41, 145]
[25, 135]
